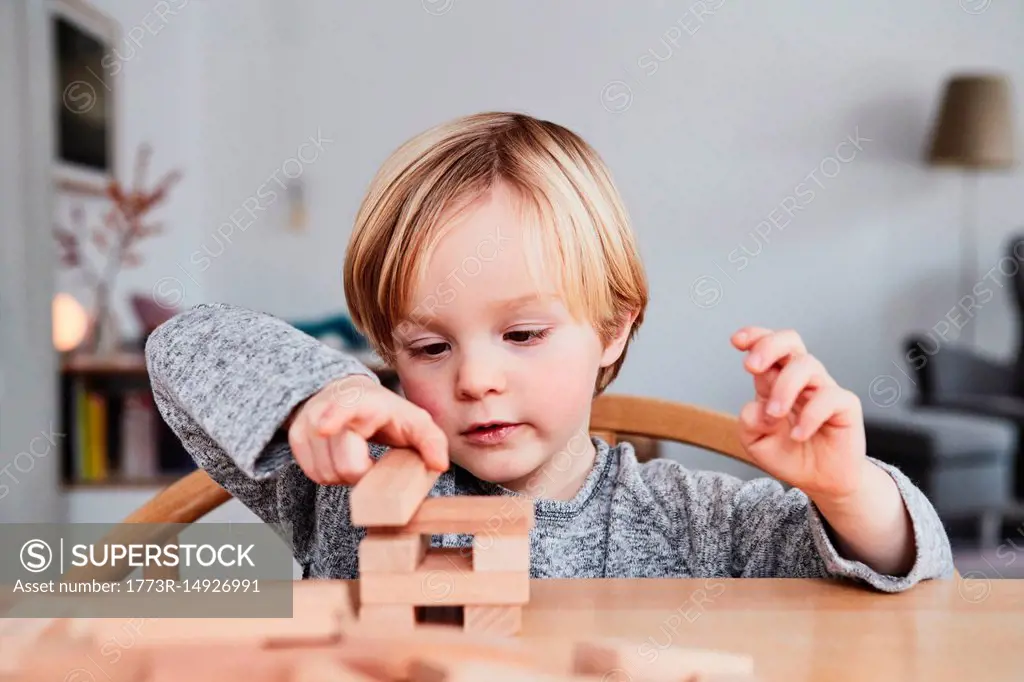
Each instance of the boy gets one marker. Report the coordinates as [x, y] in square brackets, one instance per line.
[493, 266]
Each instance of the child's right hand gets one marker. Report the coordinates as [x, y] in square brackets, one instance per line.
[329, 432]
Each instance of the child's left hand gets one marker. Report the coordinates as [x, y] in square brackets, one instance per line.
[815, 441]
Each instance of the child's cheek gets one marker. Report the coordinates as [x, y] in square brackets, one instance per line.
[424, 394]
[563, 390]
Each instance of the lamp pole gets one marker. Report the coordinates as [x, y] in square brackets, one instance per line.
[969, 248]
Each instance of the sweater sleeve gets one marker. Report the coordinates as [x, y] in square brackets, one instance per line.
[224, 379]
[758, 528]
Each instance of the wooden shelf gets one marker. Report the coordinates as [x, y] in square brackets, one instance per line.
[115, 376]
[120, 482]
[118, 363]
[135, 363]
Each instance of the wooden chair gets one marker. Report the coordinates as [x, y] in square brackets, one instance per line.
[612, 418]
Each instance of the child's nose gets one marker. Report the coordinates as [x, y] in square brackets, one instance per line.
[480, 374]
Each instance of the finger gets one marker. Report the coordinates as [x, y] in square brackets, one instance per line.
[350, 455]
[746, 337]
[776, 347]
[332, 419]
[402, 424]
[413, 427]
[322, 462]
[313, 410]
[751, 417]
[298, 440]
[427, 438]
[833, 406]
[337, 402]
[804, 372]
[763, 382]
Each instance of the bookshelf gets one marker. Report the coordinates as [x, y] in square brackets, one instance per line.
[114, 435]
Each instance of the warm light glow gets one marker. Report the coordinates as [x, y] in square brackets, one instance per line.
[70, 322]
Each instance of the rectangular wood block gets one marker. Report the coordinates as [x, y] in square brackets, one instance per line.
[491, 553]
[322, 669]
[445, 579]
[388, 655]
[602, 656]
[319, 607]
[496, 620]
[398, 553]
[63, 660]
[496, 516]
[434, 669]
[227, 664]
[392, 490]
[388, 617]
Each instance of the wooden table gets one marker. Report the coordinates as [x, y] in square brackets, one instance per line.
[795, 630]
[799, 630]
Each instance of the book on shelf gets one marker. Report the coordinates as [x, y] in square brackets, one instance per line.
[119, 438]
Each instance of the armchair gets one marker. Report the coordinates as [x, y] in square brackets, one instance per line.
[953, 379]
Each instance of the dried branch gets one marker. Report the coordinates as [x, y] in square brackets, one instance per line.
[123, 225]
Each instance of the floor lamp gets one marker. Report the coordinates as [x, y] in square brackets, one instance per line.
[973, 132]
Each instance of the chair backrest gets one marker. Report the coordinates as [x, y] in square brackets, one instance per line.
[614, 417]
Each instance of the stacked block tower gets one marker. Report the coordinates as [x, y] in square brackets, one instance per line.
[402, 579]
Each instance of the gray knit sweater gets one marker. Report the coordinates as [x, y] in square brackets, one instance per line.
[225, 378]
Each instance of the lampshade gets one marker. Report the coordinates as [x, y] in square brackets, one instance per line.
[974, 128]
[70, 323]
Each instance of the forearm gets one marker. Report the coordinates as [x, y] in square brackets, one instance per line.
[237, 374]
[873, 525]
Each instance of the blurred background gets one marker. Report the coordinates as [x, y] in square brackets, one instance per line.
[845, 169]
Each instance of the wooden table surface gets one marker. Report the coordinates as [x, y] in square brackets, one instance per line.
[796, 630]
[799, 630]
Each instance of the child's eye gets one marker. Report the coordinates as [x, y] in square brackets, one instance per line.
[430, 350]
[527, 335]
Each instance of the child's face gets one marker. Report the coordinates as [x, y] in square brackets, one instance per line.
[469, 354]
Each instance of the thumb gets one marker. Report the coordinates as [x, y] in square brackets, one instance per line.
[756, 422]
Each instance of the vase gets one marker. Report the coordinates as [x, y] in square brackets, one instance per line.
[104, 337]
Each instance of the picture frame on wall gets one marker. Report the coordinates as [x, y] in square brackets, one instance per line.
[85, 96]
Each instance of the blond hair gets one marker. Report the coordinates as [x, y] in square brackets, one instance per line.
[581, 226]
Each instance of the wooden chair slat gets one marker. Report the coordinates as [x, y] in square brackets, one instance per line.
[667, 420]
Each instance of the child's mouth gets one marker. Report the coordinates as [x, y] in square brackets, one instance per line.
[491, 434]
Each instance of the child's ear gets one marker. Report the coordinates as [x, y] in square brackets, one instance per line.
[613, 351]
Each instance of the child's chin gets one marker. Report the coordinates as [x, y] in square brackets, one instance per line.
[500, 470]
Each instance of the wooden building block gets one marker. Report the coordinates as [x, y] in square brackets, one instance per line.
[444, 579]
[388, 655]
[602, 656]
[392, 490]
[496, 516]
[398, 553]
[435, 669]
[323, 669]
[319, 608]
[388, 617]
[496, 620]
[222, 665]
[501, 553]
[74, 661]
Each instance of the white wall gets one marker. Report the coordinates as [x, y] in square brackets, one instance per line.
[730, 107]
[158, 66]
[29, 441]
